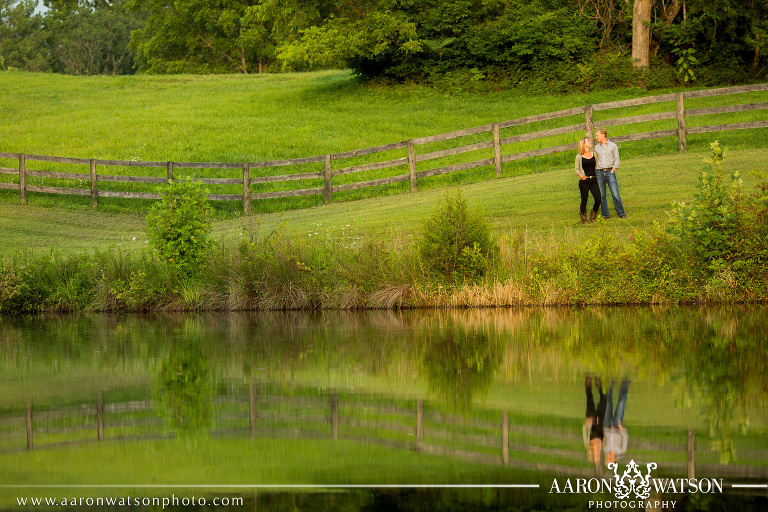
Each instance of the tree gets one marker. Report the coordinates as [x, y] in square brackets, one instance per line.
[211, 36]
[21, 36]
[641, 33]
[179, 224]
[191, 36]
[91, 39]
[406, 40]
[606, 14]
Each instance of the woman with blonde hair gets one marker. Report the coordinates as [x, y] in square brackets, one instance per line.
[592, 431]
[585, 170]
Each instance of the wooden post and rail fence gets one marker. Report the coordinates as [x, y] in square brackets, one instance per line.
[409, 425]
[411, 158]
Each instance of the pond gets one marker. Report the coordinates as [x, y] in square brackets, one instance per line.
[481, 409]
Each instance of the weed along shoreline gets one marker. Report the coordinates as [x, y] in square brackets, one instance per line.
[281, 274]
[712, 250]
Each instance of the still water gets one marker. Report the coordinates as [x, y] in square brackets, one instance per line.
[499, 409]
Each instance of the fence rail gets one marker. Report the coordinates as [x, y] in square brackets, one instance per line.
[409, 160]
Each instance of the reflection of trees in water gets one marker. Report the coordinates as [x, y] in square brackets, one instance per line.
[459, 363]
[724, 368]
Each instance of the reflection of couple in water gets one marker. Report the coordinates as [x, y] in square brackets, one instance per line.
[603, 427]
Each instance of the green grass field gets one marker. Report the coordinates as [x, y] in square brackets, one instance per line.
[269, 117]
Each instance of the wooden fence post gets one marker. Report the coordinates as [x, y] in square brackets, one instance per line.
[169, 169]
[94, 191]
[412, 164]
[247, 189]
[328, 178]
[497, 149]
[335, 415]
[691, 460]
[419, 423]
[505, 437]
[22, 178]
[252, 408]
[681, 122]
[100, 417]
[29, 426]
[589, 125]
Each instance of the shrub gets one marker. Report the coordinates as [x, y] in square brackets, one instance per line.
[709, 226]
[457, 242]
[15, 293]
[178, 225]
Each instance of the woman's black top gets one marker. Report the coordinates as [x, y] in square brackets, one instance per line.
[588, 164]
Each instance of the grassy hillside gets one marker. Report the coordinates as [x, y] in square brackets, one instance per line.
[254, 118]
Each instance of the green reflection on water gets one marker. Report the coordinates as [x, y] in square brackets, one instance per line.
[459, 363]
[185, 389]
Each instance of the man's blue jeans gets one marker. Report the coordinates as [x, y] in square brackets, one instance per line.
[614, 419]
[609, 177]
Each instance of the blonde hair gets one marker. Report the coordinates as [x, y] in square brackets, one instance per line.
[581, 144]
[603, 131]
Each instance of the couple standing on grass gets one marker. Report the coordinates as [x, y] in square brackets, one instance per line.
[595, 169]
[603, 427]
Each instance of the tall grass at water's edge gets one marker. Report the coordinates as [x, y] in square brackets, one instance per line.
[277, 272]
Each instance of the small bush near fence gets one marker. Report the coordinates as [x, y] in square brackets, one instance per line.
[456, 240]
[178, 225]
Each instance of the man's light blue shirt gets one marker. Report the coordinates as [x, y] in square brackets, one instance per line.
[607, 156]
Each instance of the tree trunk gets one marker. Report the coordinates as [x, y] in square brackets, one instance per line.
[641, 33]
[669, 13]
[671, 10]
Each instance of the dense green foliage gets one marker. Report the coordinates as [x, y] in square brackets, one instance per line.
[185, 389]
[537, 45]
[576, 45]
[76, 38]
[178, 224]
[709, 226]
[407, 40]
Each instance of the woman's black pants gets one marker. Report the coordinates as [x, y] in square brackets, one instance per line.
[585, 187]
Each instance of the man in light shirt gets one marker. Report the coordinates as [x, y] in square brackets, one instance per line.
[607, 154]
[615, 435]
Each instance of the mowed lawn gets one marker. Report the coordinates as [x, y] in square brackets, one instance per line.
[543, 205]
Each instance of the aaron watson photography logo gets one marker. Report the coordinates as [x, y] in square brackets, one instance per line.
[632, 484]
[634, 490]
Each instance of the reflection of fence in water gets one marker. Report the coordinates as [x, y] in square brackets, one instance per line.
[402, 157]
[486, 436]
